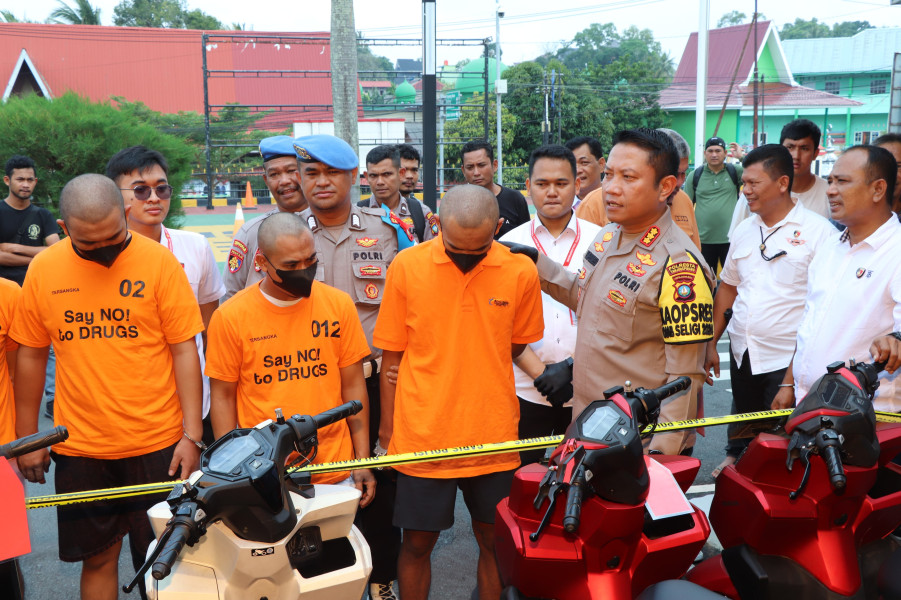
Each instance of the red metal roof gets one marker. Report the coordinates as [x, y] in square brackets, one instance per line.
[724, 48]
[163, 67]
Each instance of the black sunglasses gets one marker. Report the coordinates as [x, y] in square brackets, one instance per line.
[142, 192]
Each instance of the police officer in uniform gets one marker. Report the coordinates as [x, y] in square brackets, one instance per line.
[354, 246]
[280, 175]
[643, 295]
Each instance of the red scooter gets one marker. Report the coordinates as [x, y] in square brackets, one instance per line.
[819, 531]
[626, 523]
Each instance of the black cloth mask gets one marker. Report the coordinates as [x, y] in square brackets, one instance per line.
[298, 282]
[104, 255]
[465, 262]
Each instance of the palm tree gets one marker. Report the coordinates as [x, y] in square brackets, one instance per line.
[81, 14]
[343, 42]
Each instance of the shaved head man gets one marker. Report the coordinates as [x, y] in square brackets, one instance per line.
[114, 305]
[475, 284]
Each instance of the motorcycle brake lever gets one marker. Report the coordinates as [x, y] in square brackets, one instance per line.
[805, 460]
[795, 445]
[553, 493]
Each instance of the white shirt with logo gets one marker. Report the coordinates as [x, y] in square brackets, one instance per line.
[771, 294]
[853, 297]
[195, 254]
[560, 322]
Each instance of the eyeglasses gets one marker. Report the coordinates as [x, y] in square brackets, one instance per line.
[142, 192]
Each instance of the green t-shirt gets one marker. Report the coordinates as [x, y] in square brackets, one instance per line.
[714, 203]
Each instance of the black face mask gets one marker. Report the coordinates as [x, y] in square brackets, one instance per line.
[104, 255]
[298, 282]
[465, 262]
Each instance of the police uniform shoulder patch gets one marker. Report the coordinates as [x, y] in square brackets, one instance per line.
[650, 235]
[686, 302]
[433, 222]
[599, 246]
[239, 245]
[235, 260]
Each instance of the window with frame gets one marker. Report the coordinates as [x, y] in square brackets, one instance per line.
[833, 87]
[878, 86]
[866, 137]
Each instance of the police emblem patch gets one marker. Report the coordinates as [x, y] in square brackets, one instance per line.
[616, 297]
[302, 152]
[370, 271]
[635, 270]
[367, 242]
[239, 245]
[645, 259]
[235, 260]
[649, 236]
[797, 233]
[371, 291]
[686, 313]
[860, 273]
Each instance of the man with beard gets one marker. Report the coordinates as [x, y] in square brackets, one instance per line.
[280, 175]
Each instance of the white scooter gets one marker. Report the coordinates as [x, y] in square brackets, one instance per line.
[254, 530]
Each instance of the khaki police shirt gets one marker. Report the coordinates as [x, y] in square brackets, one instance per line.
[615, 297]
[240, 270]
[403, 211]
[356, 261]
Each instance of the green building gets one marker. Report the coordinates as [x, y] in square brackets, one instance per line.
[730, 88]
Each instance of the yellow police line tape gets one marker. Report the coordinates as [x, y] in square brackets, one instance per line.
[424, 456]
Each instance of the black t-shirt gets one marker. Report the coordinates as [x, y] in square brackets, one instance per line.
[27, 227]
[513, 209]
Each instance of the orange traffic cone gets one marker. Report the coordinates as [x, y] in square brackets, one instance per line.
[239, 218]
[249, 200]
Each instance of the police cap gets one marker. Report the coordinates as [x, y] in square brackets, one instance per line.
[275, 146]
[327, 149]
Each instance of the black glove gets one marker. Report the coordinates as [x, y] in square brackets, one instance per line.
[562, 397]
[522, 249]
[555, 377]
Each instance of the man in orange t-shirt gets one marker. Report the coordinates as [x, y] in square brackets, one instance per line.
[455, 386]
[122, 319]
[293, 343]
[681, 208]
[10, 299]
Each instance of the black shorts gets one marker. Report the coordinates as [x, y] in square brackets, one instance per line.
[427, 504]
[87, 529]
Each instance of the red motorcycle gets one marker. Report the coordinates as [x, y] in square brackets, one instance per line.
[13, 522]
[821, 531]
[626, 523]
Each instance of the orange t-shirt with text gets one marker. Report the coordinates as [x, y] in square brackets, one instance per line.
[289, 357]
[111, 329]
[10, 298]
[455, 386]
[682, 211]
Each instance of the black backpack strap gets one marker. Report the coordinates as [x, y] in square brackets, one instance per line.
[694, 182]
[418, 218]
[730, 168]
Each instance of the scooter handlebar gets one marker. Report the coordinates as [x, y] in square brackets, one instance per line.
[33, 442]
[673, 387]
[573, 513]
[333, 415]
[162, 566]
[833, 460]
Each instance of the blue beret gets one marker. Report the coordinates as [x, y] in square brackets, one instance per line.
[327, 149]
[279, 145]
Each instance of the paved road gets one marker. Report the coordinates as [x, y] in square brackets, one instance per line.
[454, 560]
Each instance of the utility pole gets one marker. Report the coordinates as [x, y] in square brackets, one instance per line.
[545, 125]
[894, 114]
[429, 102]
[206, 125]
[755, 75]
[498, 14]
[701, 87]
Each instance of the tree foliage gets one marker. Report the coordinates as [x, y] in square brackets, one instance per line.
[733, 17]
[71, 135]
[367, 61]
[171, 14]
[803, 29]
[82, 13]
